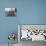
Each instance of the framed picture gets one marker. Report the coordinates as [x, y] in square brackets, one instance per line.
[10, 11]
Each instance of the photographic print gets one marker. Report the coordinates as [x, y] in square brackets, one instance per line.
[10, 11]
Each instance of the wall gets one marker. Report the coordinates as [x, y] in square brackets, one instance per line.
[28, 12]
